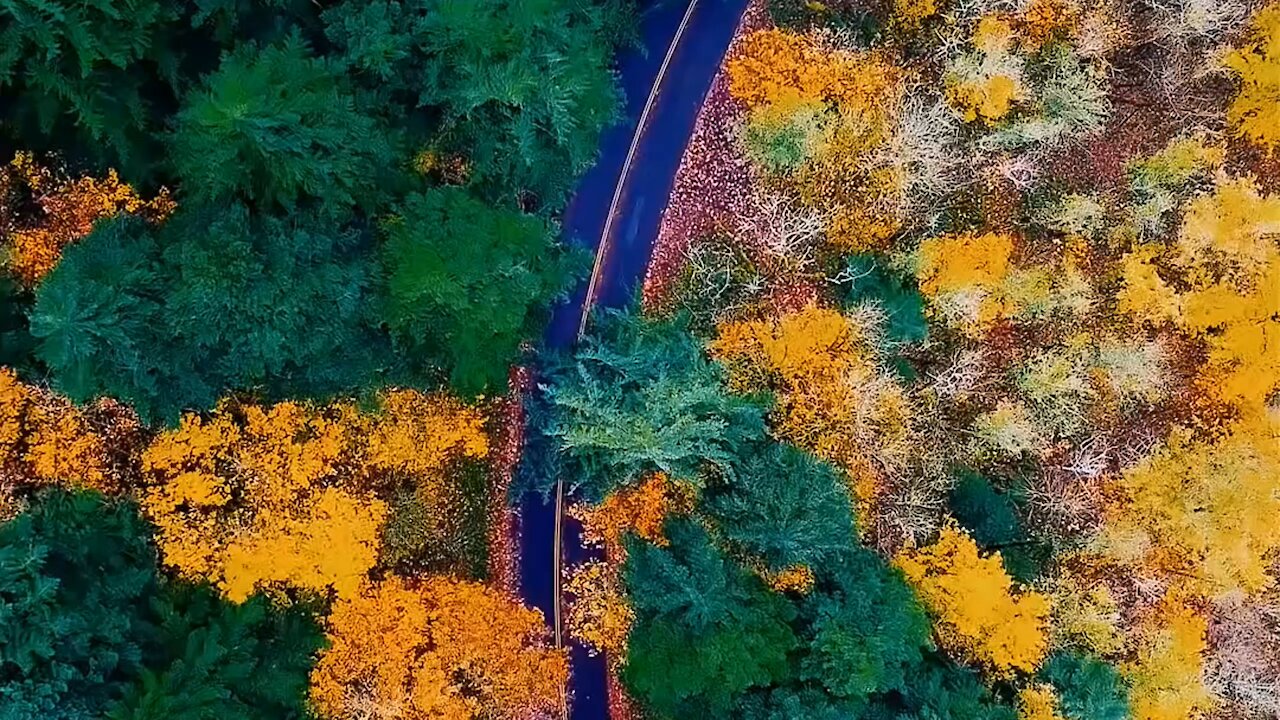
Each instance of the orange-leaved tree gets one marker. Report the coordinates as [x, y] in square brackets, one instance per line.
[45, 439]
[978, 612]
[438, 649]
[640, 509]
[67, 211]
[288, 495]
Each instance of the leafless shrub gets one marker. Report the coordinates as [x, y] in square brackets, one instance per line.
[785, 230]
[1243, 664]
[964, 375]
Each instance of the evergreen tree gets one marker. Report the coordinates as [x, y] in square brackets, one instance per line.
[706, 630]
[170, 319]
[16, 344]
[994, 519]
[865, 632]
[1088, 688]
[85, 69]
[895, 294]
[785, 506]
[92, 631]
[467, 283]
[274, 126]
[639, 396]
[76, 576]
[522, 89]
[940, 689]
[216, 660]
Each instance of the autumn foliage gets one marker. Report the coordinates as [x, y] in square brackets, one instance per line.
[285, 496]
[67, 210]
[834, 399]
[47, 440]
[980, 613]
[436, 649]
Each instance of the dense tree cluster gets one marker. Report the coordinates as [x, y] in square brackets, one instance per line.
[263, 266]
[98, 632]
[298, 143]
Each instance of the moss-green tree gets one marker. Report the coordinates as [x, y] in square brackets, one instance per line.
[467, 283]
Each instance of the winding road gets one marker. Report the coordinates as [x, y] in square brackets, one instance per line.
[616, 212]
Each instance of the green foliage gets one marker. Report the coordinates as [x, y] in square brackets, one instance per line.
[778, 143]
[994, 520]
[940, 689]
[274, 126]
[83, 68]
[522, 88]
[75, 579]
[785, 506]
[1088, 688]
[640, 396]
[93, 632]
[706, 630]
[850, 15]
[895, 294]
[467, 283]
[168, 319]
[865, 630]
[16, 344]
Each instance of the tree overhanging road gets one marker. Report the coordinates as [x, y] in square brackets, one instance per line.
[616, 213]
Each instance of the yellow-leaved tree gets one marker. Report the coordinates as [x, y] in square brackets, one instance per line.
[1255, 112]
[1203, 511]
[439, 649]
[287, 496]
[979, 614]
[45, 439]
[1167, 672]
[1219, 283]
[833, 398]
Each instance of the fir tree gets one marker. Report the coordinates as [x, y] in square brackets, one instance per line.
[92, 631]
[706, 630]
[785, 506]
[640, 396]
[85, 69]
[523, 89]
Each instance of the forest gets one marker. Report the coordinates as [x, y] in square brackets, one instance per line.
[265, 266]
[953, 391]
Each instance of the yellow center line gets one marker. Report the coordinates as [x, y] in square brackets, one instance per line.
[597, 267]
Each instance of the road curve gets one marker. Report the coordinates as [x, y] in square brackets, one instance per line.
[616, 212]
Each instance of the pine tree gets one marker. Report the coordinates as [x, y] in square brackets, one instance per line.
[706, 630]
[639, 397]
[1087, 688]
[785, 506]
[92, 631]
[76, 576]
[84, 69]
[523, 89]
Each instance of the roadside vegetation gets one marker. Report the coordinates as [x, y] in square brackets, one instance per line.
[953, 392]
[265, 266]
